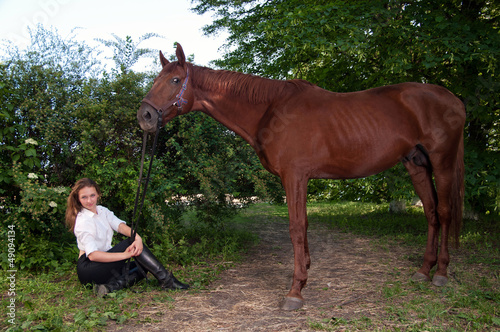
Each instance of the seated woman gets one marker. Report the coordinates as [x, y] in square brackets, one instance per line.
[98, 262]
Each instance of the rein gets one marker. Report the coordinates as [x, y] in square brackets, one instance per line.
[137, 208]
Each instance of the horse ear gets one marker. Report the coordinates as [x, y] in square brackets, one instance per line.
[181, 58]
[163, 60]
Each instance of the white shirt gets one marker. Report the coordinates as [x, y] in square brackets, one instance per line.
[94, 232]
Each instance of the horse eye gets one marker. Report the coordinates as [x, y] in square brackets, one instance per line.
[175, 80]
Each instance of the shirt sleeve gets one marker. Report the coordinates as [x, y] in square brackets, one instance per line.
[86, 239]
[113, 220]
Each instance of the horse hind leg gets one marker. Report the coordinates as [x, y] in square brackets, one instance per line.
[420, 170]
[449, 214]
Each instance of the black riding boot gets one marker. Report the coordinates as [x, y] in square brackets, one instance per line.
[166, 279]
[118, 282]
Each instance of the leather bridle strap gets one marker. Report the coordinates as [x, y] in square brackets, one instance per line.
[177, 101]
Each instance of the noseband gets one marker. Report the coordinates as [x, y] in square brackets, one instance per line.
[177, 101]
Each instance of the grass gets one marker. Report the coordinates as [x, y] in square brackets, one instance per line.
[56, 301]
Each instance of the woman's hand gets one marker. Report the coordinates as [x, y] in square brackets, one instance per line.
[135, 249]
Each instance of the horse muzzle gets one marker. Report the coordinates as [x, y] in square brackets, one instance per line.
[148, 118]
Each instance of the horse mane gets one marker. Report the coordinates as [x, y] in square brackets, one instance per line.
[254, 88]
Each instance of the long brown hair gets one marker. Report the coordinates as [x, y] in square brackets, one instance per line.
[74, 206]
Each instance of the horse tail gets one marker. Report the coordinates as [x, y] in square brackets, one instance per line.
[457, 195]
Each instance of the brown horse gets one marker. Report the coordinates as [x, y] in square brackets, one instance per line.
[301, 132]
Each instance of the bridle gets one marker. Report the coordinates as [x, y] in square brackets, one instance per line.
[177, 101]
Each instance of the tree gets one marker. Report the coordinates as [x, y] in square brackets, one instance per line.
[126, 52]
[347, 46]
[15, 146]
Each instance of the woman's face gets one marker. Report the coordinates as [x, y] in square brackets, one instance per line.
[88, 198]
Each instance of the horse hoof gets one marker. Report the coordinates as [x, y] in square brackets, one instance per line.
[292, 303]
[420, 277]
[439, 281]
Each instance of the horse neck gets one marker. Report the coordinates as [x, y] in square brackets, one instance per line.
[241, 120]
[236, 111]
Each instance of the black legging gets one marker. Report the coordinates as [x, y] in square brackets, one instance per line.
[100, 273]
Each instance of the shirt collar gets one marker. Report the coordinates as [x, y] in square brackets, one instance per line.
[88, 213]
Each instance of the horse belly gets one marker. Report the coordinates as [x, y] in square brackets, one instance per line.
[321, 150]
[353, 159]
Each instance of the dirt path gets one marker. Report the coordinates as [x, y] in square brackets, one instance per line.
[345, 282]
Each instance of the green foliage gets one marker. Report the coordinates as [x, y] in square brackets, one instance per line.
[214, 166]
[42, 208]
[15, 145]
[82, 125]
[202, 242]
[37, 219]
[49, 78]
[389, 185]
[126, 52]
[348, 46]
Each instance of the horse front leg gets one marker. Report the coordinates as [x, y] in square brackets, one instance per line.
[296, 196]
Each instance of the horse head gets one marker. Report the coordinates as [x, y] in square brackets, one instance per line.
[169, 95]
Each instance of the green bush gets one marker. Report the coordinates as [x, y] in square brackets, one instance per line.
[42, 239]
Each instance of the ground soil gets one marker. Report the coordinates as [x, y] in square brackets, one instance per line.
[345, 282]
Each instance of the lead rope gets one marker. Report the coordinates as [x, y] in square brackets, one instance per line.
[137, 207]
